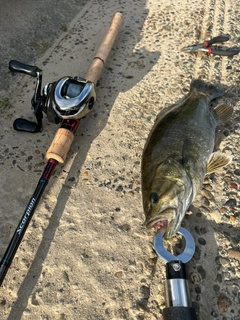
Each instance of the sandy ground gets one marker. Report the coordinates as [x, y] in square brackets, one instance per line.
[86, 253]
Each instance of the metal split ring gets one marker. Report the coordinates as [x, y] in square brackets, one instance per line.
[184, 257]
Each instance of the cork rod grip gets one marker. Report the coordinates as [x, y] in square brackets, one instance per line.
[63, 139]
[105, 47]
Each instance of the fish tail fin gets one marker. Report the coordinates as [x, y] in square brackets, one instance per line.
[224, 113]
[206, 88]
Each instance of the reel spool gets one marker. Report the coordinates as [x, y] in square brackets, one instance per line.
[68, 98]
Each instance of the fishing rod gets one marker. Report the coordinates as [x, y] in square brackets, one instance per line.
[64, 101]
[177, 296]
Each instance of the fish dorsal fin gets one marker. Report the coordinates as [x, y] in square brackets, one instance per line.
[224, 113]
[216, 161]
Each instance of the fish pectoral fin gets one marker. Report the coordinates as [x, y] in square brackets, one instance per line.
[170, 169]
[216, 161]
[224, 113]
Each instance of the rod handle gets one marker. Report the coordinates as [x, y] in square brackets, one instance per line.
[63, 139]
[104, 48]
[179, 313]
[60, 145]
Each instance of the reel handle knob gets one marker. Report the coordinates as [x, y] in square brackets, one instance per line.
[21, 124]
[17, 66]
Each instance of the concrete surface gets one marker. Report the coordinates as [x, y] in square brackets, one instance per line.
[87, 254]
[28, 28]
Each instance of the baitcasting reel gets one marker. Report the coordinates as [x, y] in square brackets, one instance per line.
[67, 98]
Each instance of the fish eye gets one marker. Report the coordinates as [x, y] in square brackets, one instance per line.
[154, 197]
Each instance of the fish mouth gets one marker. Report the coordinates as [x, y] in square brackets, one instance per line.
[161, 222]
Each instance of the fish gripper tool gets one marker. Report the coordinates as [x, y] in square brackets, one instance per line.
[177, 295]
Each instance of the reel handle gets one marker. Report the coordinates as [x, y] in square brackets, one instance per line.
[17, 66]
[63, 138]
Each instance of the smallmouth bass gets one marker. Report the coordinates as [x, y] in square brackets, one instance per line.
[179, 153]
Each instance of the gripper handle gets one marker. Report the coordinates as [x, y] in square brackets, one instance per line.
[179, 313]
[63, 138]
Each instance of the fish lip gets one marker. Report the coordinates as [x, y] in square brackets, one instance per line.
[150, 223]
[154, 220]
